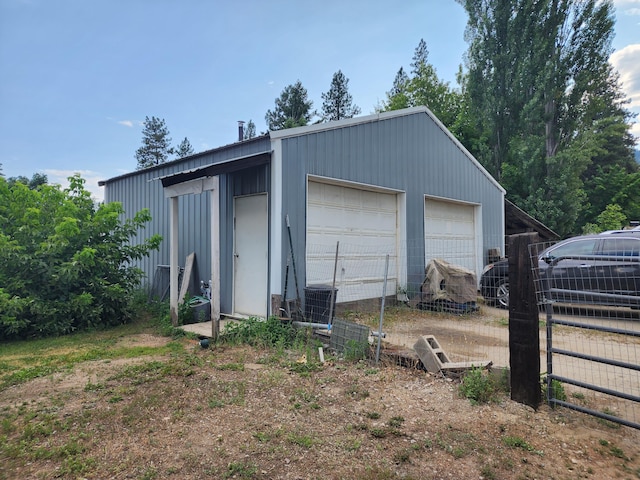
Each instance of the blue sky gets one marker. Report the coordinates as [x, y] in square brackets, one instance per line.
[78, 77]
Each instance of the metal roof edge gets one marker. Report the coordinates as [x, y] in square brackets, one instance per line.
[320, 127]
[464, 150]
[347, 122]
[102, 183]
[213, 168]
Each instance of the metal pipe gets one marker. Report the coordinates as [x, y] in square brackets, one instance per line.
[323, 326]
[384, 294]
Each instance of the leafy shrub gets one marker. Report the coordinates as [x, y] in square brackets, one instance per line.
[65, 263]
[479, 386]
[262, 333]
[557, 390]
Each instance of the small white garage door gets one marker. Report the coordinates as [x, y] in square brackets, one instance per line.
[365, 223]
[450, 233]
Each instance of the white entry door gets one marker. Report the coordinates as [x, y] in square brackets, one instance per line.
[250, 256]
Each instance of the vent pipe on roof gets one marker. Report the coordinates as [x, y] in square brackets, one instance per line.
[240, 130]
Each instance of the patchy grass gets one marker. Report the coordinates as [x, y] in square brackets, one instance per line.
[134, 405]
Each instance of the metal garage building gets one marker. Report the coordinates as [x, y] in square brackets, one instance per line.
[389, 183]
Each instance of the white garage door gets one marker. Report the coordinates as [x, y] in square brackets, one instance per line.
[365, 224]
[450, 233]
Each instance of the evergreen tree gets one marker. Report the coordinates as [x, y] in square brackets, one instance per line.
[250, 131]
[156, 143]
[337, 102]
[184, 149]
[424, 88]
[420, 57]
[398, 96]
[292, 109]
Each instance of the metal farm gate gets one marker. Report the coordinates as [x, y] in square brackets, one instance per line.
[592, 346]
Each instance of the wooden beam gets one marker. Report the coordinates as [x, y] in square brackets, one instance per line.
[186, 277]
[214, 196]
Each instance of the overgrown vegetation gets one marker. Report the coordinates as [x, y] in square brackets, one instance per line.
[231, 411]
[557, 390]
[65, 263]
[480, 386]
[261, 333]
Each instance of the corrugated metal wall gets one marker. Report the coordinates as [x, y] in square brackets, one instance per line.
[409, 153]
[142, 189]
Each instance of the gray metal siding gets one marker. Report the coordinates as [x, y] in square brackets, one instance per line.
[142, 189]
[409, 153]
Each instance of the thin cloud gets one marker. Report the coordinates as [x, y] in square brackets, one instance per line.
[126, 123]
[625, 3]
[90, 177]
[627, 62]
[628, 7]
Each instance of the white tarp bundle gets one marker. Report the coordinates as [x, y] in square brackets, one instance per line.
[445, 281]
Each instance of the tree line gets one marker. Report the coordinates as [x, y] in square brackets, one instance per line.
[537, 104]
[292, 109]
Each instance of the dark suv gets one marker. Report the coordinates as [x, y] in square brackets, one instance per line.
[594, 269]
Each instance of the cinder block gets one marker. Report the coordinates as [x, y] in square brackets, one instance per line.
[435, 359]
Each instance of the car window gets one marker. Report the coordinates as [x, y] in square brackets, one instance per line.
[623, 247]
[574, 249]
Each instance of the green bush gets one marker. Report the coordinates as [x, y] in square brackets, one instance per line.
[480, 386]
[557, 390]
[262, 333]
[65, 263]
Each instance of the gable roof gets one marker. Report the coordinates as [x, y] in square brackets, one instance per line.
[376, 117]
[276, 135]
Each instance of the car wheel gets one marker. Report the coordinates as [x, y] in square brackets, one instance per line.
[502, 293]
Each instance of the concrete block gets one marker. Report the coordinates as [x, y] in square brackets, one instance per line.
[430, 353]
[435, 359]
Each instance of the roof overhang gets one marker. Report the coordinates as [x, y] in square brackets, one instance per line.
[215, 169]
[518, 221]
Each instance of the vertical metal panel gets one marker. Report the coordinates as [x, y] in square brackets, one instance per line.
[410, 153]
[142, 189]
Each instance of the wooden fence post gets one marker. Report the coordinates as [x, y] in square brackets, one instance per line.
[524, 334]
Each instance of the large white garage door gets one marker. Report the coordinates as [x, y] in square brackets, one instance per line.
[365, 224]
[450, 233]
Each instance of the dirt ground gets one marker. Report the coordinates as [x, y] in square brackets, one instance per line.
[241, 412]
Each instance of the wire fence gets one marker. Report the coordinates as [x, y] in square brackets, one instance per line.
[590, 299]
[409, 298]
[428, 292]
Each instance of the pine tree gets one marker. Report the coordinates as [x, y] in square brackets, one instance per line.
[337, 102]
[420, 56]
[292, 109]
[250, 131]
[184, 149]
[424, 88]
[156, 143]
[398, 96]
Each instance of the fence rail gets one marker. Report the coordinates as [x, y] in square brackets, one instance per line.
[592, 351]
